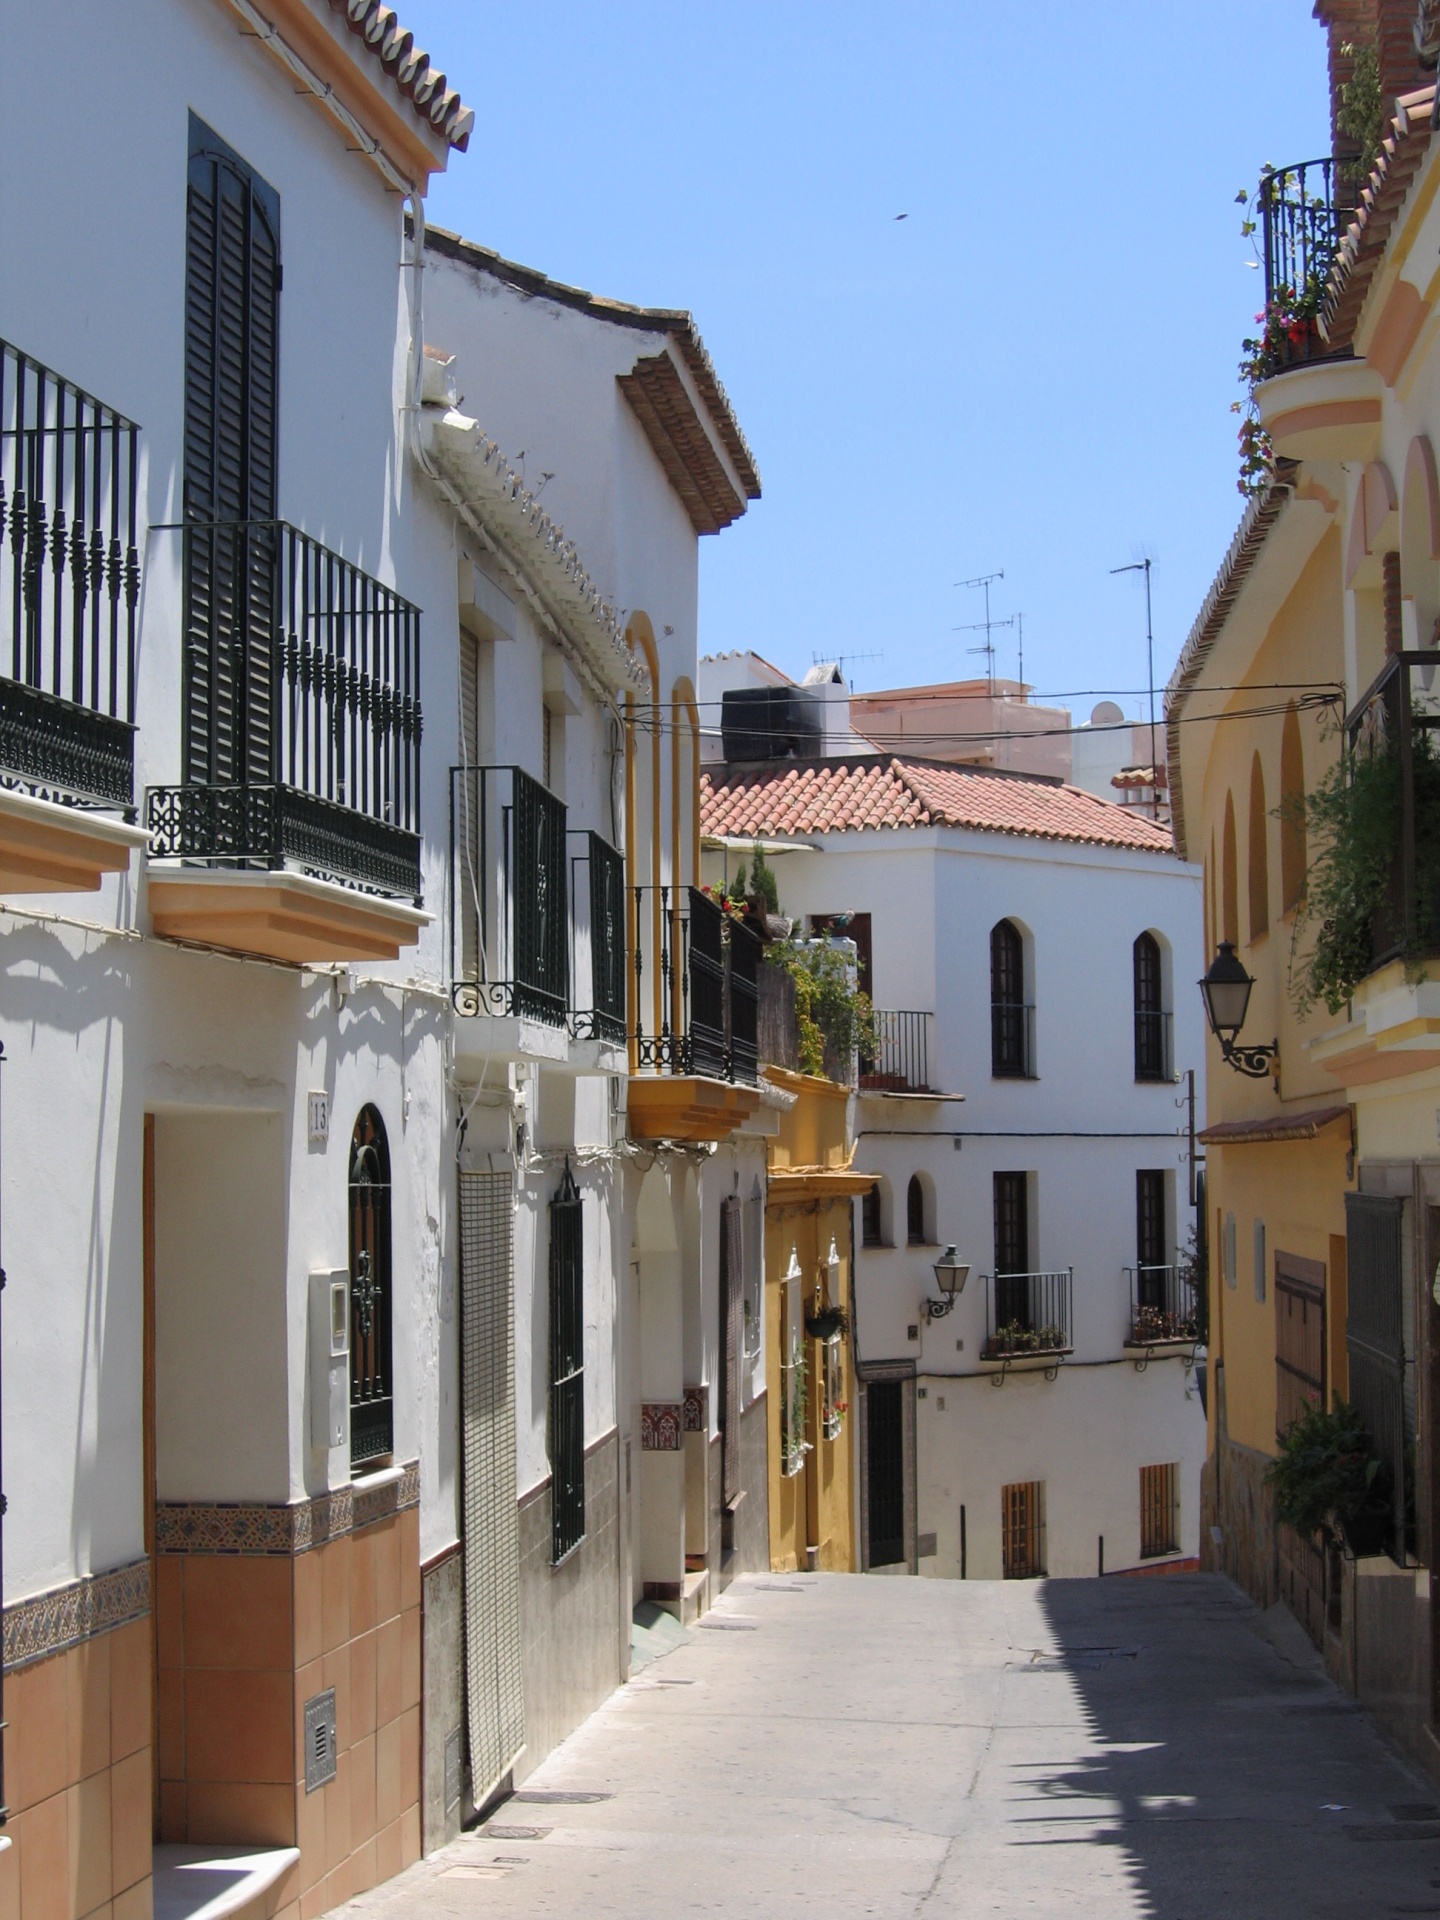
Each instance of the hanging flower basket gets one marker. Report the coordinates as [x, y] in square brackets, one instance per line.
[828, 1324]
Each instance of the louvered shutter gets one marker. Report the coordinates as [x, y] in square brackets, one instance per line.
[495, 1696]
[732, 1296]
[232, 305]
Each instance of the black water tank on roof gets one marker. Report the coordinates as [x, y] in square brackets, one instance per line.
[769, 723]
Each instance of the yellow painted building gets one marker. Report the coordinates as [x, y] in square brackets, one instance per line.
[809, 1309]
[1323, 1200]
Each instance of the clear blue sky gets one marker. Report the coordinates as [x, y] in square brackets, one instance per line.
[1033, 371]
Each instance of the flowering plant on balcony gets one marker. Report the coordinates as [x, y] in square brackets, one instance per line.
[1158, 1323]
[1289, 326]
[727, 903]
[1014, 1337]
[834, 1020]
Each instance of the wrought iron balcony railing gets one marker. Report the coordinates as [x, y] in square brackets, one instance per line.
[1028, 1314]
[900, 1062]
[597, 933]
[1304, 212]
[1397, 724]
[1152, 1046]
[1164, 1306]
[301, 713]
[69, 588]
[510, 924]
[696, 997]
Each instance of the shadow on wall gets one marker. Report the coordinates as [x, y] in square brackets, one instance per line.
[1227, 1774]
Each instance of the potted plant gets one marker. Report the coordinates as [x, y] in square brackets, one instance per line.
[1328, 1481]
[827, 1323]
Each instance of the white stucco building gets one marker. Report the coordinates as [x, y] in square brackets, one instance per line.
[1025, 1105]
[341, 1240]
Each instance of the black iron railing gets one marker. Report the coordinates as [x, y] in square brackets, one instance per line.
[1393, 733]
[1028, 1313]
[1164, 1305]
[1152, 1045]
[900, 1062]
[510, 923]
[1304, 212]
[301, 712]
[597, 935]
[696, 997]
[69, 588]
[1012, 1040]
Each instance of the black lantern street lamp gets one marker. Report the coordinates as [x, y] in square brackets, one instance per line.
[1226, 990]
[951, 1274]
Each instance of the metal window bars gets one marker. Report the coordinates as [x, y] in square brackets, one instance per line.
[597, 937]
[1159, 1510]
[567, 1368]
[1028, 1314]
[696, 989]
[1398, 719]
[510, 913]
[302, 718]
[69, 587]
[1164, 1306]
[1012, 1040]
[1152, 1045]
[900, 1061]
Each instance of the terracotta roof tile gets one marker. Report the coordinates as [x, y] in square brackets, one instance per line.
[845, 796]
[415, 75]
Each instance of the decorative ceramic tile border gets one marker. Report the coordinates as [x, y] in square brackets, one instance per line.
[49, 1622]
[660, 1426]
[697, 1409]
[238, 1527]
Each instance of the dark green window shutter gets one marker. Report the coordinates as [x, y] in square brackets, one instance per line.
[567, 1367]
[232, 317]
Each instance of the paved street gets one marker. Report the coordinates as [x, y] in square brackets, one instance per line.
[826, 1745]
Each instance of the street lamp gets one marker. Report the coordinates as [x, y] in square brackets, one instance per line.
[951, 1274]
[1226, 990]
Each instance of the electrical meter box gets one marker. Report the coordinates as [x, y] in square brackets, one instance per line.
[330, 1358]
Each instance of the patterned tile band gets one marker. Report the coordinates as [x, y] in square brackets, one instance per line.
[697, 1409]
[219, 1527]
[660, 1426]
[49, 1622]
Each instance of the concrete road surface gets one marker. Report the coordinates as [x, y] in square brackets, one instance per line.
[836, 1746]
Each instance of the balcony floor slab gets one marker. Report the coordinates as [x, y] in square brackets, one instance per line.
[49, 848]
[279, 915]
[688, 1107]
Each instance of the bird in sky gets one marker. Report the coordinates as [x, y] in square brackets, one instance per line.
[902, 216]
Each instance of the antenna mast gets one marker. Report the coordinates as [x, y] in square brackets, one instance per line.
[984, 581]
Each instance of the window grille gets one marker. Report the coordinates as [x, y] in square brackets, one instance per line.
[1159, 1510]
[372, 1407]
[1375, 1336]
[1151, 1239]
[835, 1407]
[871, 1229]
[915, 1212]
[793, 1444]
[1011, 1023]
[1152, 1023]
[567, 1367]
[754, 1272]
[495, 1695]
[1022, 1530]
[885, 1473]
[1299, 1338]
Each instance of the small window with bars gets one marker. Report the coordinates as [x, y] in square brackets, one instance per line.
[1022, 1530]
[567, 1368]
[1159, 1510]
[835, 1407]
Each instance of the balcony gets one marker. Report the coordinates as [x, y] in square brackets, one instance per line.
[694, 1037]
[69, 594]
[900, 1062]
[1304, 212]
[1164, 1307]
[1028, 1321]
[1153, 1054]
[538, 923]
[296, 828]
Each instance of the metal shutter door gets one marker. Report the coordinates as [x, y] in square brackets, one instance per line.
[495, 1694]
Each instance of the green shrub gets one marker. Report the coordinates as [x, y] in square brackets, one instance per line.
[1328, 1481]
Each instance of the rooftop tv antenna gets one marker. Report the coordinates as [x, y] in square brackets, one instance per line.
[987, 625]
[1143, 566]
[839, 659]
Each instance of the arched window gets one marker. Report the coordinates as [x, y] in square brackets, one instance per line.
[1259, 855]
[1010, 1035]
[372, 1410]
[915, 1212]
[1229, 882]
[1152, 1023]
[1294, 857]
